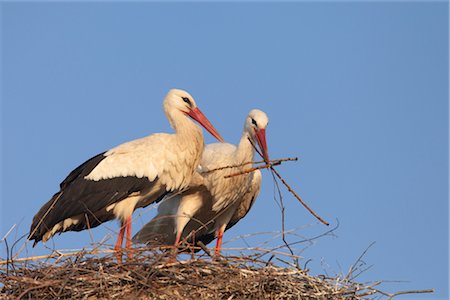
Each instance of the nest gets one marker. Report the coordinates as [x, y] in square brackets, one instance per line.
[156, 274]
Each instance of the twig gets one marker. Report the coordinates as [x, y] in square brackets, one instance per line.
[283, 232]
[45, 215]
[204, 248]
[7, 257]
[354, 266]
[89, 227]
[54, 255]
[411, 292]
[289, 188]
[38, 224]
[251, 163]
[253, 169]
[281, 199]
[298, 197]
[313, 238]
[263, 250]
[392, 295]
[33, 288]
[9, 231]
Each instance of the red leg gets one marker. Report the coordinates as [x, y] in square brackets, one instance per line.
[128, 243]
[220, 232]
[173, 257]
[177, 240]
[118, 247]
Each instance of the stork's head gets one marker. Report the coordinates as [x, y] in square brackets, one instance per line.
[179, 100]
[255, 125]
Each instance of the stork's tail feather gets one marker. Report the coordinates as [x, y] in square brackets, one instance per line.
[160, 231]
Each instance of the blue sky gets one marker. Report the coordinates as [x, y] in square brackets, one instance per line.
[358, 91]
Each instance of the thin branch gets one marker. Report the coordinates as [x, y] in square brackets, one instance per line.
[204, 248]
[289, 188]
[253, 169]
[354, 266]
[45, 215]
[411, 292]
[251, 163]
[24, 293]
[38, 224]
[9, 231]
[392, 295]
[283, 234]
[89, 227]
[298, 197]
[54, 255]
[311, 239]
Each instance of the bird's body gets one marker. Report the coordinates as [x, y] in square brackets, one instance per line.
[135, 174]
[248, 199]
[212, 202]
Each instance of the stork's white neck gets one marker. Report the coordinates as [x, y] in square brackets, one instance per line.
[245, 151]
[185, 128]
[189, 148]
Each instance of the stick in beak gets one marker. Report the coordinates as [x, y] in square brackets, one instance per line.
[261, 139]
[198, 116]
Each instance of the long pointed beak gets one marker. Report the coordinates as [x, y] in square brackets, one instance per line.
[198, 116]
[261, 139]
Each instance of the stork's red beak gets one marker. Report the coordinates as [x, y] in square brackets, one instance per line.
[261, 139]
[198, 116]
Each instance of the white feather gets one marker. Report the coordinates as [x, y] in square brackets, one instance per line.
[187, 208]
[160, 155]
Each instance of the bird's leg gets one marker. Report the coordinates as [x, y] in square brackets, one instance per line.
[173, 255]
[177, 239]
[118, 247]
[128, 243]
[220, 232]
[177, 243]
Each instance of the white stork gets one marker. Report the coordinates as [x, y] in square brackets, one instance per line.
[212, 203]
[111, 185]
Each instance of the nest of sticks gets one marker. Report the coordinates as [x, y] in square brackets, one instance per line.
[159, 274]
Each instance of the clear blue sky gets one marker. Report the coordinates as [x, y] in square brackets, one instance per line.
[358, 91]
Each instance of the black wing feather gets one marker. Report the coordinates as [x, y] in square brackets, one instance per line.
[80, 196]
[83, 170]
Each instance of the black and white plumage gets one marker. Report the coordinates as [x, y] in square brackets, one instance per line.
[134, 174]
[212, 203]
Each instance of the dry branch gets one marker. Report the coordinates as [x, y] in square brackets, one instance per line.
[270, 165]
[252, 169]
[298, 197]
[272, 161]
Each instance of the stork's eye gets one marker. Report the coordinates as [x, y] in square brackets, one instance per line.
[254, 122]
[186, 100]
